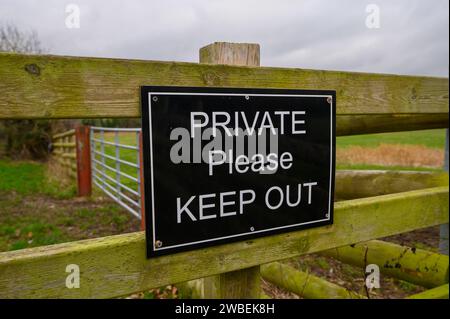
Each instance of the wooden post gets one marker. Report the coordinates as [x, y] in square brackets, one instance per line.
[246, 54]
[443, 234]
[141, 179]
[239, 284]
[244, 283]
[83, 150]
[304, 284]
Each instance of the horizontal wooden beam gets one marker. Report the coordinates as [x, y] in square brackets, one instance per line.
[117, 265]
[69, 155]
[304, 284]
[379, 123]
[435, 293]
[351, 184]
[43, 86]
[414, 265]
[64, 134]
[68, 145]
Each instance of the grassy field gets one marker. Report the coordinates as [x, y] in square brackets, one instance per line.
[416, 150]
[28, 178]
[35, 211]
[429, 138]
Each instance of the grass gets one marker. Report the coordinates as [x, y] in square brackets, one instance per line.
[416, 150]
[35, 234]
[27, 178]
[50, 221]
[380, 167]
[429, 138]
[22, 177]
[35, 211]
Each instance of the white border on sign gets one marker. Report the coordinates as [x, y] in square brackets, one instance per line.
[251, 232]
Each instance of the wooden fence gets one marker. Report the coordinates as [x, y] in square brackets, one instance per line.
[70, 87]
[71, 150]
[64, 152]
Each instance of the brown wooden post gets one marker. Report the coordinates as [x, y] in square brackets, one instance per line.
[141, 179]
[83, 150]
[244, 283]
[443, 232]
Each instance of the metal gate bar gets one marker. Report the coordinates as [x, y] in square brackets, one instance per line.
[109, 177]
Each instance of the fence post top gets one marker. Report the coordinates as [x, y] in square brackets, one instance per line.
[242, 54]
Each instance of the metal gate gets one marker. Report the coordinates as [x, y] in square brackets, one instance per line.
[115, 163]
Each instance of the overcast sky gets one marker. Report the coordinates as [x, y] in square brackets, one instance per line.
[412, 37]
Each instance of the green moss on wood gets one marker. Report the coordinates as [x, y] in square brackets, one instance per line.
[352, 184]
[379, 123]
[304, 284]
[73, 87]
[243, 283]
[435, 293]
[117, 265]
[413, 265]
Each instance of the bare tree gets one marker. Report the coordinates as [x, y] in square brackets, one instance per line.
[14, 40]
[23, 138]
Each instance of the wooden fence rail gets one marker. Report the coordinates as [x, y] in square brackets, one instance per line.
[42, 86]
[64, 134]
[117, 265]
[351, 184]
[73, 87]
[414, 265]
[304, 284]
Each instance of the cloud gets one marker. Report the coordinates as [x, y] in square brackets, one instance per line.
[318, 34]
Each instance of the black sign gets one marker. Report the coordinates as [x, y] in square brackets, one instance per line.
[223, 165]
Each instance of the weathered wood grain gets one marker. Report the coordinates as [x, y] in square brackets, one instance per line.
[351, 184]
[414, 265]
[304, 284]
[69, 155]
[238, 284]
[375, 123]
[117, 265]
[65, 145]
[244, 54]
[63, 134]
[242, 283]
[42, 86]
